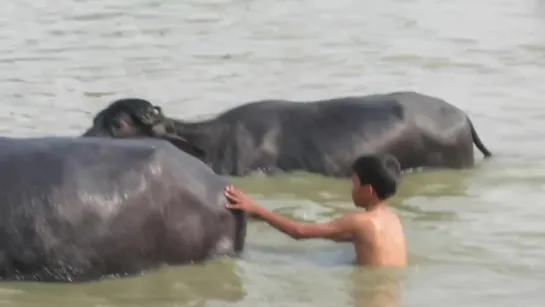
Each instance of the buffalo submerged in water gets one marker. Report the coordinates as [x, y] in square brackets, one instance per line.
[322, 137]
[80, 209]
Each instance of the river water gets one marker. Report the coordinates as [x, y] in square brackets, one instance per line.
[476, 237]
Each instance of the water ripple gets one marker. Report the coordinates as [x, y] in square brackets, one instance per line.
[475, 237]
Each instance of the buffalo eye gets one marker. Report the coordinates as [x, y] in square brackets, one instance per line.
[122, 121]
[117, 124]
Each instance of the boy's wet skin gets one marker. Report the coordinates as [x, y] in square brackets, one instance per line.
[377, 232]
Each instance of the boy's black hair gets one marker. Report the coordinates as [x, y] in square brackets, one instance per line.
[382, 171]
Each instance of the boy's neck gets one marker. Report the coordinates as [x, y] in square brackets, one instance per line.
[378, 204]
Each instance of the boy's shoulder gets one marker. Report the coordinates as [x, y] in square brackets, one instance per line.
[357, 220]
[367, 219]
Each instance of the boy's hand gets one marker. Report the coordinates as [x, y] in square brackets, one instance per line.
[239, 200]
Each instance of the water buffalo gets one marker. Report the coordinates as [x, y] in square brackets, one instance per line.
[322, 137]
[80, 209]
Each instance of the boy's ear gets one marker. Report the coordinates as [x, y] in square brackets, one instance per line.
[370, 189]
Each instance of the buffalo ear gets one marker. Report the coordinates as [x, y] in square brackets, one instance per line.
[159, 131]
[184, 145]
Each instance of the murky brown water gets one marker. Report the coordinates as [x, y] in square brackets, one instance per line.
[476, 237]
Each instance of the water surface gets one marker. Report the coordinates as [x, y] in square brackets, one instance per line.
[476, 237]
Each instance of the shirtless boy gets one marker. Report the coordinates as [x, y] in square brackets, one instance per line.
[377, 232]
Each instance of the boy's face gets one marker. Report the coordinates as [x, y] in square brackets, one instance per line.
[360, 193]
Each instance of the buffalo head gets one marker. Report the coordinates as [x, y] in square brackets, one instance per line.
[136, 118]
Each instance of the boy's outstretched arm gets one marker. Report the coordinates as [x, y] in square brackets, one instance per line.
[340, 229]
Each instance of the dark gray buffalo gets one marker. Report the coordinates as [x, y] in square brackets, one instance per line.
[80, 209]
[322, 137]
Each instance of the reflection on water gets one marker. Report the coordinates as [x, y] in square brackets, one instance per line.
[219, 280]
[376, 287]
